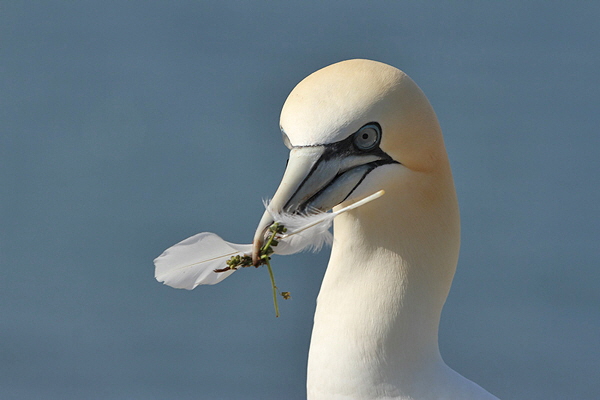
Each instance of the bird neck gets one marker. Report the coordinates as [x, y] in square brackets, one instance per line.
[378, 311]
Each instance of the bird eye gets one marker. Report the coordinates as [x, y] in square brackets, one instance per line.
[367, 138]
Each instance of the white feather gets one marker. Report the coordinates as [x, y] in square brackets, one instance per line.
[303, 232]
[193, 261]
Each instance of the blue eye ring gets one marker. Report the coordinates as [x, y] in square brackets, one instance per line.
[368, 137]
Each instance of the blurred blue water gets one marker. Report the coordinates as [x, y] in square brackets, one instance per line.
[128, 126]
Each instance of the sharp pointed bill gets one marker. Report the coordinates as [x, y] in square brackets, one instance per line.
[193, 261]
[319, 177]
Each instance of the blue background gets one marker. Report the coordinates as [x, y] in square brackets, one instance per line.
[129, 126]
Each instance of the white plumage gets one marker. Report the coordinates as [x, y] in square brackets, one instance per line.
[354, 128]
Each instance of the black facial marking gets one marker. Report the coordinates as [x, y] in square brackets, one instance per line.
[344, 148]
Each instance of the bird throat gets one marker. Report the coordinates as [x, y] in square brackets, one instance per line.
[377, 315]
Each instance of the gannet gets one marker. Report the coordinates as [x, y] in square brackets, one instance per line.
[353, 128]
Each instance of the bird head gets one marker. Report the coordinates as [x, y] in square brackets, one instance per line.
[344, 125]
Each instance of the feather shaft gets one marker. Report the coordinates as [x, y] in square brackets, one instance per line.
[328, 216]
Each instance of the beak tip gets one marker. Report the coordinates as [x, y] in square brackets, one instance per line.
[255, 252]
[258, 241]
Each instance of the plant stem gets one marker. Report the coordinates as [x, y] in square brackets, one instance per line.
[273, 286]
[266, 251]
[267, 245]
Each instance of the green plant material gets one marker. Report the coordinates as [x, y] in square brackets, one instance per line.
[273, 286]
[265, 253]
[243, 261]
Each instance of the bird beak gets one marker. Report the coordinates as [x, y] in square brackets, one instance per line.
[317, 178]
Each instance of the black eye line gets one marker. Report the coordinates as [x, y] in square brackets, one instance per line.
[350, 138]
[344, 148]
